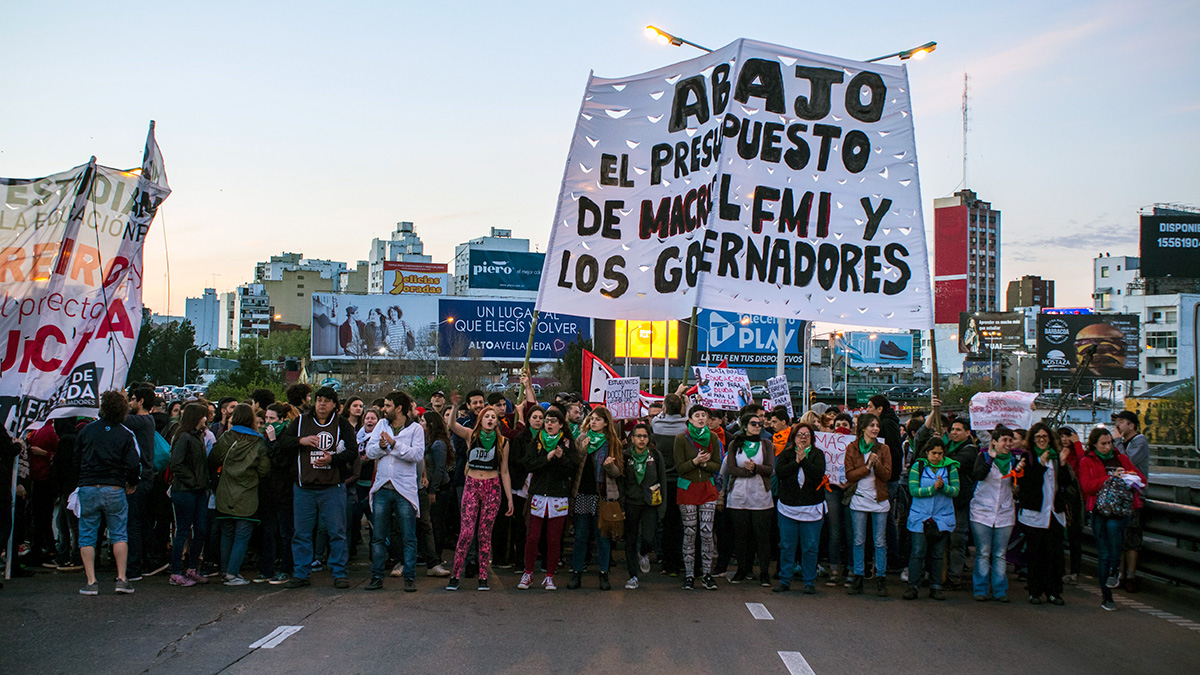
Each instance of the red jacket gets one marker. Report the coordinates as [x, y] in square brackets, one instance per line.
[1093, 473]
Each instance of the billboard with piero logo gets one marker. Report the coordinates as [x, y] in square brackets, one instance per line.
[505, 270]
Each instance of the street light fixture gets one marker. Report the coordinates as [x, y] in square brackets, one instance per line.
[185, 353]
[664, 38]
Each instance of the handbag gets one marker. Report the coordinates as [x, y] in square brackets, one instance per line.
[612, 518]
[655, 495]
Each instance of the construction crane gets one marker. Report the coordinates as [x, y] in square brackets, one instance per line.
[1059, 414]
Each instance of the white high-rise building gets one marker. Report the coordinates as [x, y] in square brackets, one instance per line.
[403, 246]
[204, 313]
[273, 269]
[245, 315]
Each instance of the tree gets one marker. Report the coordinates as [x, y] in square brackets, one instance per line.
[569, 369]
[160, 353]
[282, 344]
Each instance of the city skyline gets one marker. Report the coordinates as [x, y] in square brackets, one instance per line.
[296, 131]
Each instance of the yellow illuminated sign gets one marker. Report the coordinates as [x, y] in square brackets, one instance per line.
[646, 339]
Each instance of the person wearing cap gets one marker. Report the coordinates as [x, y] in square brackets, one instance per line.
[437, 401]
[1133, 444]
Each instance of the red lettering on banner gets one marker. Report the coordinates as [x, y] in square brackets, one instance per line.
[116, 320]
[10, 261]
[87, 261]
[83, 340]
[43, 255]
[64, 259]
[10, 353]
[115, 268]
[39, 344]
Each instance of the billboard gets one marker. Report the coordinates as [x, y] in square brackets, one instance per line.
[981, 372]
[414, 278]
[1062, 338]
[747, 339]
[1067, 310]
[348, 326]
[646, 339]
[499, 329]
[505, 270]
[980, 332]
[1170, 245]
[877, 350]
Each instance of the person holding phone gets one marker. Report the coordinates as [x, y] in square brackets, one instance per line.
[697, 461]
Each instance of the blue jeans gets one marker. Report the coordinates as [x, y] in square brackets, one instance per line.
[879, 523]
[991, 543]
[808, 535]
[587, 527]
[107, 502]
[922, 547]
[837, 516]
[1110, 540]
[383, 504]
[191, 525]
[326, 506]
[235, 539]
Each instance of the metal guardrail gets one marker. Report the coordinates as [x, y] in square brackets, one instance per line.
[1171, 545]
[1174, 456]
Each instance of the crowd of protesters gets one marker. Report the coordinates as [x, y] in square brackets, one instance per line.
[275, 492]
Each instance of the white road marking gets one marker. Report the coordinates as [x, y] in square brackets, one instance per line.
[759, 611]
[795, 663]
[276, 636]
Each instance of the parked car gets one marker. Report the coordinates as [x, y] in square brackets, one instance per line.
[825, 391]
[759, 391]
[496, 386]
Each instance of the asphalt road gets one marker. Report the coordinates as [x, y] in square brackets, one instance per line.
[47, 627]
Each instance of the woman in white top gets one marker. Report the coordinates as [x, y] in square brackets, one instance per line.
[749, 464]
[993, 514]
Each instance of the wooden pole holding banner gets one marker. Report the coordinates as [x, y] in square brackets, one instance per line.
[529, 345]
[937, 388]
[691, 346]
[12, 519]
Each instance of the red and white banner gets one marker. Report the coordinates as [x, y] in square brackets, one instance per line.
[596, 374]
[71, 285]
[1013, 409]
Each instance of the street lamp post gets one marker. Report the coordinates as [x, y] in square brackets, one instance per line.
[185, 353]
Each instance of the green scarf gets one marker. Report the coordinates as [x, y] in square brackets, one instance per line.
[549, 442]
[639, 462]
[700, 436]
[1003, 462]
[750, 448]
[946, 462]
[864, 447]
[574, 428]
[951, 446]
[595, 440]
[487, 439]
[1053, 456]
[1104, 458]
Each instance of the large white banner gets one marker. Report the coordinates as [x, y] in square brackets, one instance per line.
[756, 178]
[1013, 409]
[71, 285]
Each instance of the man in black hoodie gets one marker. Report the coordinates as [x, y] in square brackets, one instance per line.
[889, 431]
[109, 469]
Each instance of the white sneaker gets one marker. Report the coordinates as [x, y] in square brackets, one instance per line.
[398, 570]
[904, 575]
[548, 582]
[526, 580]
[235, 581]
[632, 583]
[644, 563]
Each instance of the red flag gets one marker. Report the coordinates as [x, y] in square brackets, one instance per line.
[595, 377]
[723, 364]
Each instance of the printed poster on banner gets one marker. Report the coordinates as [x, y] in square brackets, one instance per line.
[1013, 409]
[723, 388]
[71, 274]
[834, 446]
[780, 394]
[623, 397]
[756, 178]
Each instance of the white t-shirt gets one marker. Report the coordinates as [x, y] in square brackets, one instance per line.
[864, 496]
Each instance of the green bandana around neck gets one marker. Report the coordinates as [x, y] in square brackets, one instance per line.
[549, 442]
[750, 448]
[595, 440]
[699, 435]
[639, 462]
[487, 439]
[946, 462]
[864, 447]
[1053, 454]
[1103, 457]
[1002, 462]
[574, 428]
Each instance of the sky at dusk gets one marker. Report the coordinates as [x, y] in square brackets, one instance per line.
[312, 128]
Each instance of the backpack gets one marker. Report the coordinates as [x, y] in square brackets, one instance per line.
[1115, 499]
[162, 453]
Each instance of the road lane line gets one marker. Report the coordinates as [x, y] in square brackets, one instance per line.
[276, 636]
[795, 663]
[759, 611]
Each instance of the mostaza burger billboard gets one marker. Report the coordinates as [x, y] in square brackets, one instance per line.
[1063, 340]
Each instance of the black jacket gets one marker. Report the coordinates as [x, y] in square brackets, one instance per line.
[787, 473]
[189, 463]
[108, 455]
[635, 494]
[889, 431]
[548, 477]
[1029, 486]
[965, 456]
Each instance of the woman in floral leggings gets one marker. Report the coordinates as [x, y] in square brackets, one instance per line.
[487, 472]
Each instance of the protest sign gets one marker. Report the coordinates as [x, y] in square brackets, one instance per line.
[1013, 409]
[780, 395]
[71, 272]
[834, 446]
[723, 388]
[755, 178]
[623, 398]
